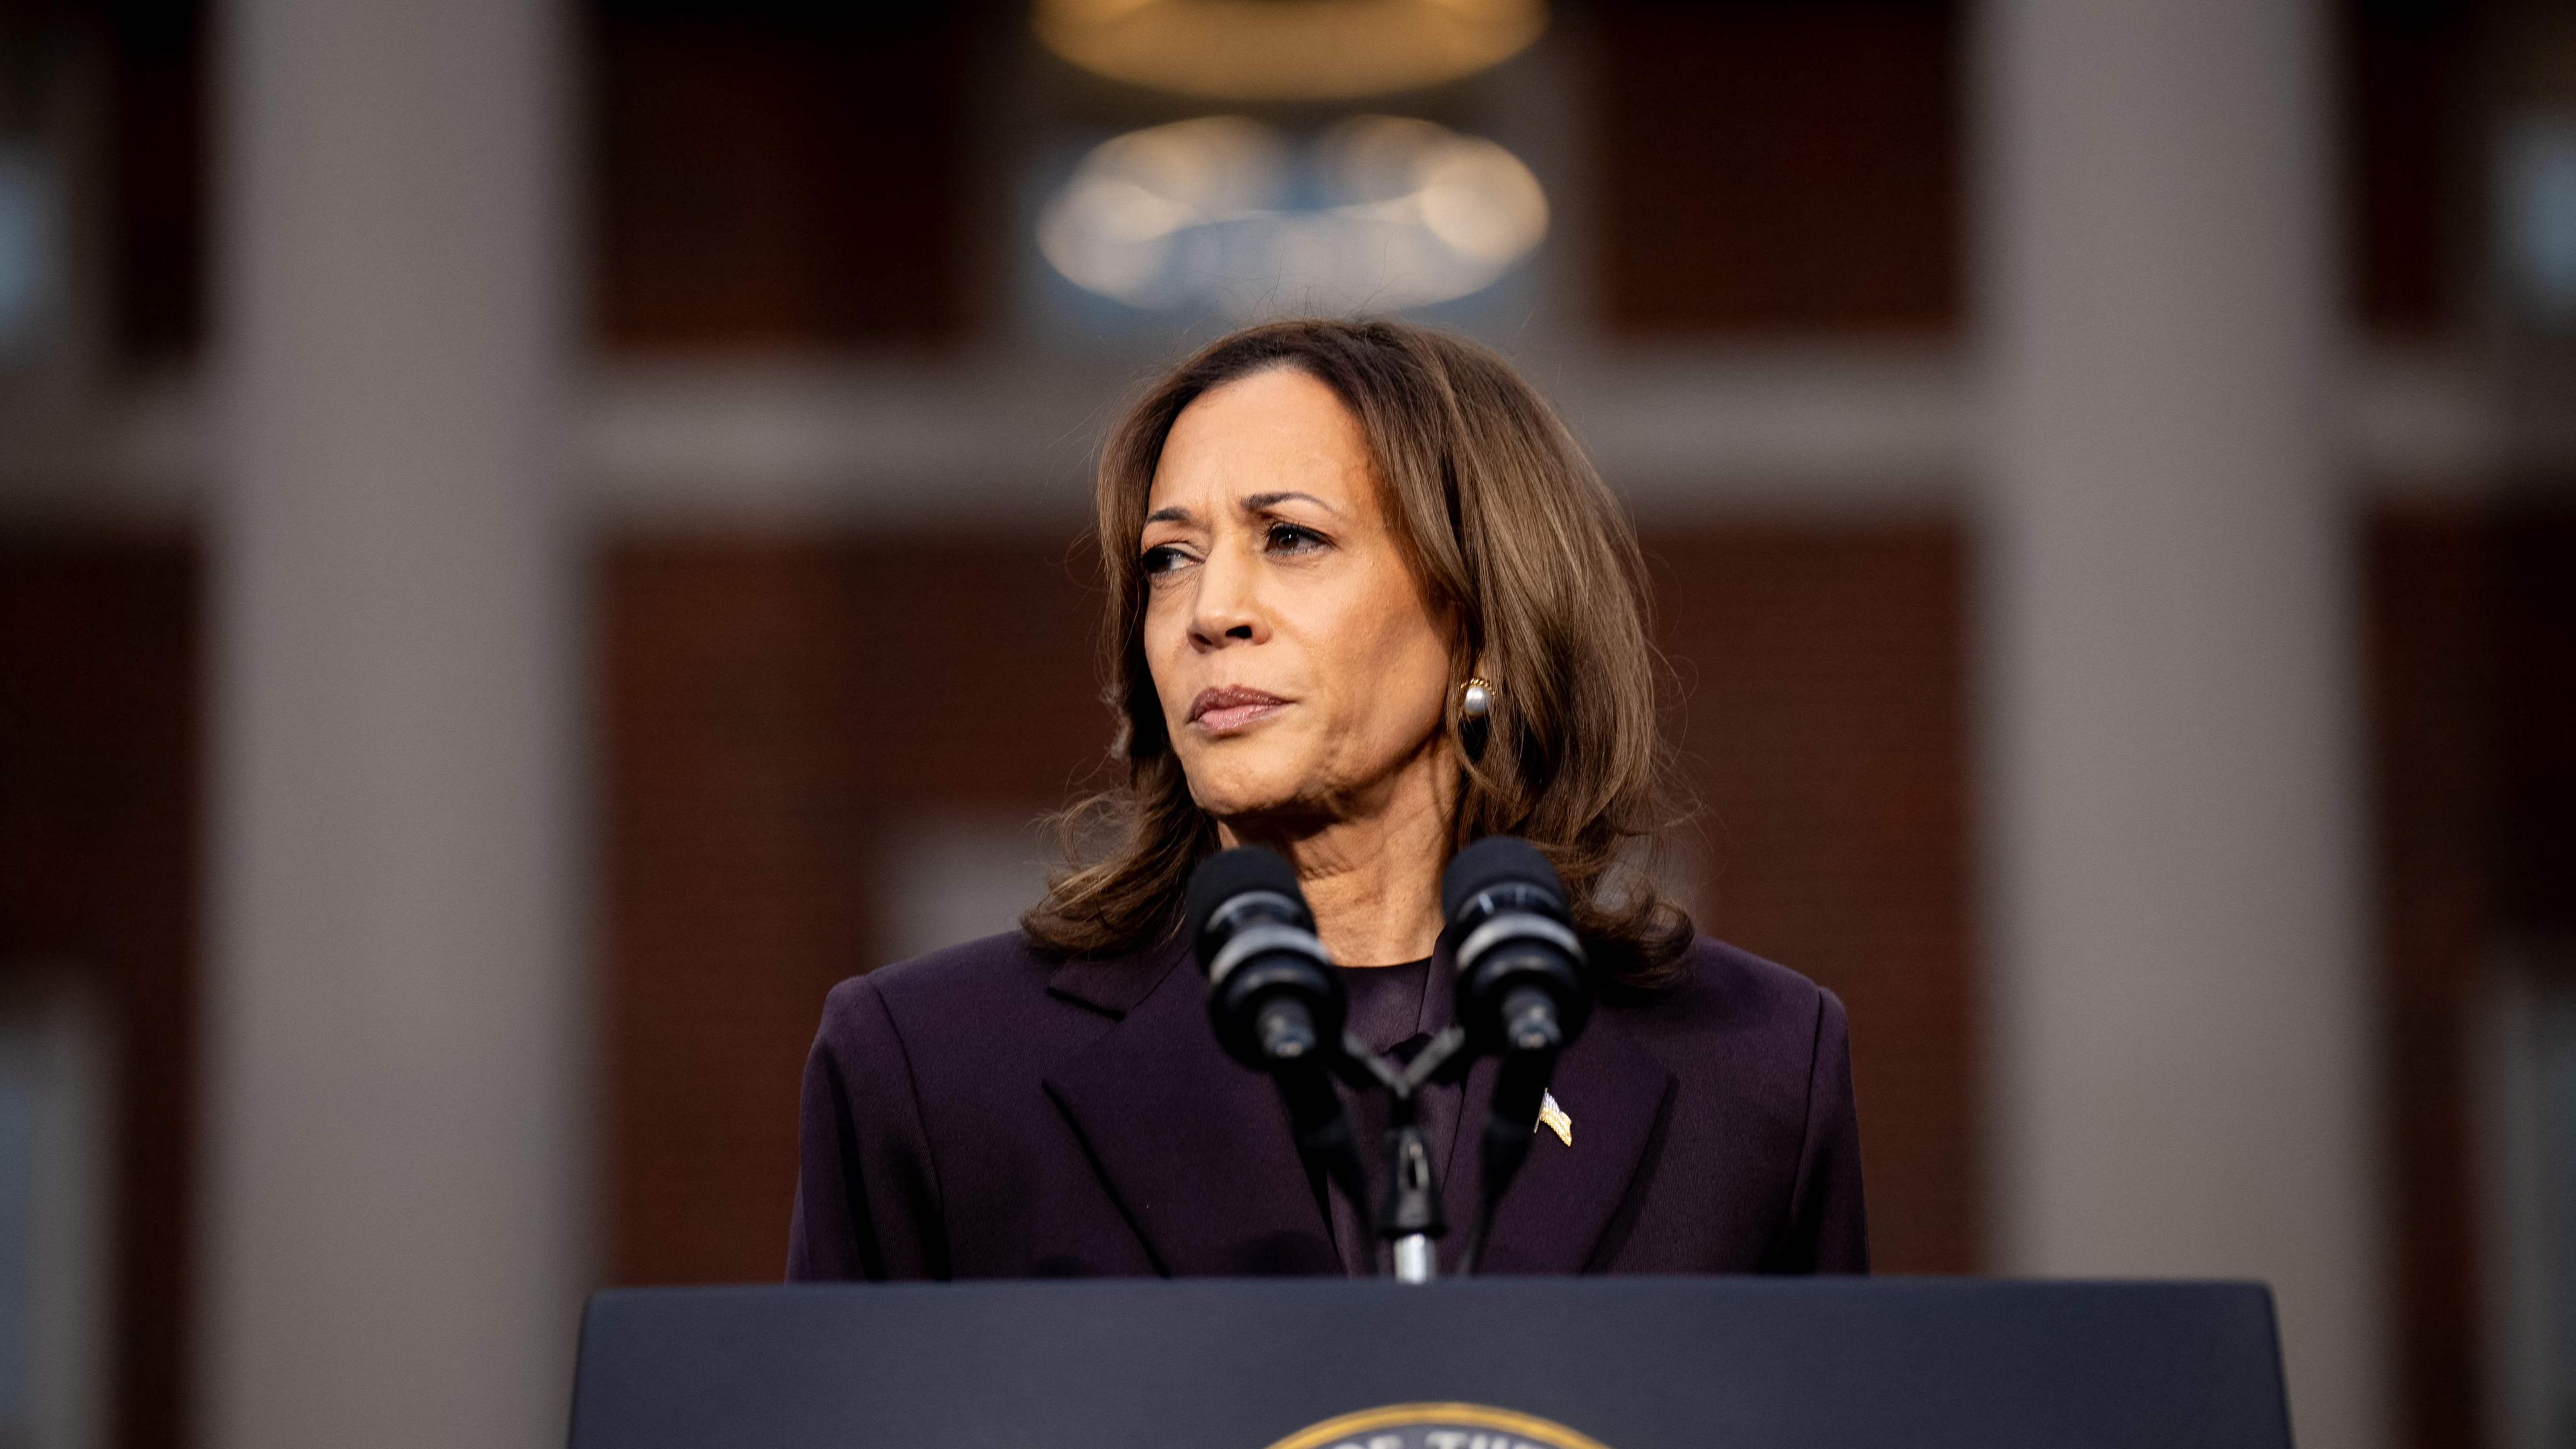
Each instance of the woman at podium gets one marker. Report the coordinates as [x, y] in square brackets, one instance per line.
[1367, 602]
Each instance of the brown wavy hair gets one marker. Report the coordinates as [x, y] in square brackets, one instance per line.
[1521, 549]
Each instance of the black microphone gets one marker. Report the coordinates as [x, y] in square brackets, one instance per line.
[1521, 986]
[1274, 994]
[1522, 994]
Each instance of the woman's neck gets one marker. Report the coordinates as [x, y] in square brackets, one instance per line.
[1371, 875]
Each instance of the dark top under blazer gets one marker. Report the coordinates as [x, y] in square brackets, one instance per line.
[991, 1112]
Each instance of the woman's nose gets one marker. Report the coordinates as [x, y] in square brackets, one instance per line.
[1228, 610]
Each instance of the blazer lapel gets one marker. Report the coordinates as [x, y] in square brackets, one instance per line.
[1553, 1218]
[1195, 1148]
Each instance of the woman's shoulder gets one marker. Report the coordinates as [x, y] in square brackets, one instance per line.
[1000, 991]
[1723, 989]
[969, 1032]
[984, 973]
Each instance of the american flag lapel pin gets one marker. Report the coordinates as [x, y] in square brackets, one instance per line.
[1553, 1118]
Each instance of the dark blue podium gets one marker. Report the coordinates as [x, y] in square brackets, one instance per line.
[1498, 1363]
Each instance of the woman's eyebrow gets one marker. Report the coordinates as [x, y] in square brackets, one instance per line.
[1173, 514]
[1263, 502]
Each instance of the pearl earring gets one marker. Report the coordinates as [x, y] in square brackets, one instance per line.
[1476, 698]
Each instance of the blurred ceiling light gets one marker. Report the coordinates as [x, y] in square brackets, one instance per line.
[2539, 200]
[28, 258]
[1381, 212]
[1287, 50]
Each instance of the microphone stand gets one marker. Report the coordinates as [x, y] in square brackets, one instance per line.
[1409, 1216]
[1518, 1088]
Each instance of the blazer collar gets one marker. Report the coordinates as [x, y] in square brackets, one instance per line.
[1112, 985]
[1558, 1216]
[1197, 1150]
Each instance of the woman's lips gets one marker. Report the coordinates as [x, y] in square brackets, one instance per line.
[1223, 711]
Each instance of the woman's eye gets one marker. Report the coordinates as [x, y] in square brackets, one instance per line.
[1162, 559]
[1290, 538]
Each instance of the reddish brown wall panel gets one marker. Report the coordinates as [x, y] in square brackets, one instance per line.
[98, 862]
[1824, 728]
[773, 708]
[2409, 153]
[158, 145]
[2471, 643]
[782, 176]
[2433, 608]
[1775, 167]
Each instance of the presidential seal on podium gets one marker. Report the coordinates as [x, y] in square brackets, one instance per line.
[1438, 1426]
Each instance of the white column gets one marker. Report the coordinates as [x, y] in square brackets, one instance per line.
[2182, 999]
[396, 1234]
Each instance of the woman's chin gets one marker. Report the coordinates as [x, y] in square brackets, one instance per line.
[1257, 805]
[1252, 812]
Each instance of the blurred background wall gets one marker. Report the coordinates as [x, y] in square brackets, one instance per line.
[533, 540]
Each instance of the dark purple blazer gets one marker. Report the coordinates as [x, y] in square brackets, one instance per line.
[990, 1112]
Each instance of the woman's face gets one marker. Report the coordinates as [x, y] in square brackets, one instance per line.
[1299, 667]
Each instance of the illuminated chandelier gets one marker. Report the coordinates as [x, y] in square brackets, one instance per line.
[1287, 50]
[1381, 212]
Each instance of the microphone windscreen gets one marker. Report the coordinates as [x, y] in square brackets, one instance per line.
[1229, 873]
[1493, 861]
